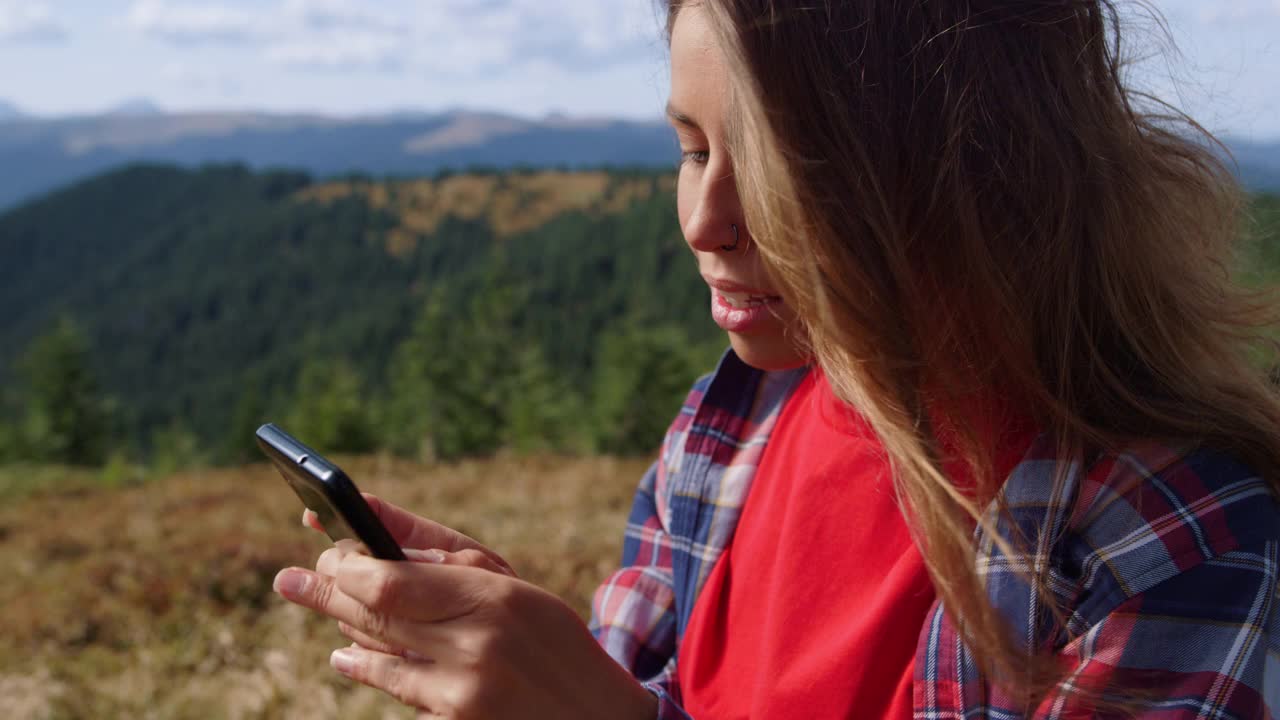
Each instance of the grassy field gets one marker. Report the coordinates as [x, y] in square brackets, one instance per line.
[154, 601]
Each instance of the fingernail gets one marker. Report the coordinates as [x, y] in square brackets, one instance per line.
[431, 556]
[291, 583]
[342, 660]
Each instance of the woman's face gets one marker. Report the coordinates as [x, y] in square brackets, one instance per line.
[761, 327]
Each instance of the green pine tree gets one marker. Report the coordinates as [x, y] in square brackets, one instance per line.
[543, 412]
[329, 410]
[642, 375]
[238, 445]
[444, 400]
[66, 418]
[174, 448]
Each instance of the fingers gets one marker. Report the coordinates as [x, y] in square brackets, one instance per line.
[413, 532]
[369, 642]
[331, 559]
[416, 532]
[327, 563]
[319, 592]
[311, 520]
[422, 592]
[469, 558]
[392, 602]
[421, 684]
[408, 529]
[479, 559]
[400, 677]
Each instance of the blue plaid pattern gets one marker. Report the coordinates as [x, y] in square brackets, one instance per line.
[1164, 558]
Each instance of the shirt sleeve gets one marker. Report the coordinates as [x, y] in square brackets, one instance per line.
[1193, 646]
[662, 686]
[633, 614]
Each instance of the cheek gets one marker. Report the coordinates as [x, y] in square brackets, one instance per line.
[684, 204]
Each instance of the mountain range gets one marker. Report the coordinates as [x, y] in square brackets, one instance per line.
[40, 154]
[1258, 164]
[9, 111]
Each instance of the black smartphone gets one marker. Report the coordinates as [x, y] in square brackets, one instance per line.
[326, 490]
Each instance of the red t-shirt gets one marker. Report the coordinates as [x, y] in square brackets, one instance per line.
[816, 607]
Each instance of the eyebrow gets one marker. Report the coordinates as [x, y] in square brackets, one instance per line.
[680, 117]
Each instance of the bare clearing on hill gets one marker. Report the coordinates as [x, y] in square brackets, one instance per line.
[155, 601]
[510, 203]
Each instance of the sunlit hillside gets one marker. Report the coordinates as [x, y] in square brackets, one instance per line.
[155, 601]
[202, 302]
[510, 204]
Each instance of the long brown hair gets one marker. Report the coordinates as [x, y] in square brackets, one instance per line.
[958, 195]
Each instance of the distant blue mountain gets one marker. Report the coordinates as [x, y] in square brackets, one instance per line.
[40, 154]
[136, 107]
[1258, 163]
[9, 111]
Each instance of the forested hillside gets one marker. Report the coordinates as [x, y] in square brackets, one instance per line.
[157, 312]
[448, 316]
[1261, 249]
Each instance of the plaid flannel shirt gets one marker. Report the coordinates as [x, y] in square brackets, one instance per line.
[1165, 560]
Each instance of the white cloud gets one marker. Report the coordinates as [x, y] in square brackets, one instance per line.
[341, 51]
[326, 35]
[573, 33]
[186, 22]
[460, 38]
[473, 38]
[201, 79]
[1238, 12]
[340, 14]
[28, 22]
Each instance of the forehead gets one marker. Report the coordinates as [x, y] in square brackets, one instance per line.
[698, 79]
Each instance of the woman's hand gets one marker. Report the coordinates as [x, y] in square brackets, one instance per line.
[456, 635]
[422, 540]
[414, 532]
[475, 643]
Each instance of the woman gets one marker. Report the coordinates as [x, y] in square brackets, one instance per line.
[1056, 496]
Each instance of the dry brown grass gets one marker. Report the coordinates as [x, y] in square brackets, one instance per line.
[511, 203]
[626, 193]
[156, 602]
[528, 201]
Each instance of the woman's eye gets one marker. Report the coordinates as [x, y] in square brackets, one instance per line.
[698, 157]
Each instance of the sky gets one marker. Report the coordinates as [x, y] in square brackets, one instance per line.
[524, 57]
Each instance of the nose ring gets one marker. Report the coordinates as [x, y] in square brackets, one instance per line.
[734, 246]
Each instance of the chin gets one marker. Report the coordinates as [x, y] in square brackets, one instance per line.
[767, 352]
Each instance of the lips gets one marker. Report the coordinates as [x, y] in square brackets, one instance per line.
[738, 290]
[741, 300]
[739, 308]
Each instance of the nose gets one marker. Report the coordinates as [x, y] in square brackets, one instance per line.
[716, 209]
